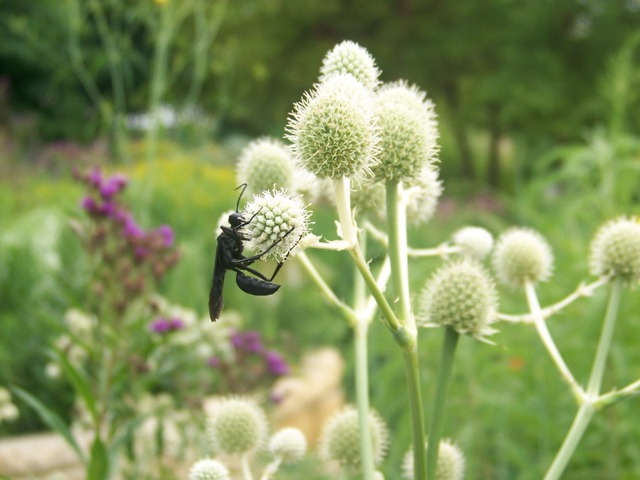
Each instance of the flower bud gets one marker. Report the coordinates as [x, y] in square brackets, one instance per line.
[333, 131]
[522, 255]
[238, 426]
[460, 295]
[350, 58]
[289, 444]
[474, 242]
[265, 164]
[450, 464]
[615, 250]
[275, 216]
[408, 131]
[340, 438]
[423, 194]
[209, 469]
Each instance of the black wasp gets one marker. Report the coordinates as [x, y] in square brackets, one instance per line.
[229, 257]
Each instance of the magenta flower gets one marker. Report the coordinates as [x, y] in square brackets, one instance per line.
[176, 323]
[89, 204]
[95, 177]
[131, 228]
[249, 342]
[112, 185]
[276, 365]
[214, 362]
[160, 325]
[166, 232]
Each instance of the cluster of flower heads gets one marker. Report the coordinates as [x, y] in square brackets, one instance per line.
[164, 325]
[130, 256]
[238, 426]
[250, 363]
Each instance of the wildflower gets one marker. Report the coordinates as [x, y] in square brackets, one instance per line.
[275, 217]
[474, 242]
[350, 58]
[167, 235]
[333, 130]
[276, 365]
[409, 132]
[460, 295]
[209, 469]
[423, 194]
[289, 444]
[131, 229]
[265, 164]
[522, 255]
[249, 342]
[340, 438]
[238, 426]
[615, 250]
[112, 186]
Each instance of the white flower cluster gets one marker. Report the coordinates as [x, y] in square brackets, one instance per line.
[8, 411]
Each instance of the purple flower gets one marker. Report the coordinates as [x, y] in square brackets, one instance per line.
[131, 228]
[160, 325]
[176, 323]
[213, 362]
[141, 252]
[166, 232]
[89, 204]
[95, 177]
[249, 342]
[276, 365]
[112, 185]
[109, 208]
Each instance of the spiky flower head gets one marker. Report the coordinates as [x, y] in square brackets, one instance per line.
[409, 132]
[265, 164]
[289, 444]
[209, 469]
[522, 255]
[333, 131]
[350, 58]
[460, 295]
[237, 426]
[474, 242]
[450, 464]
[275, 216]
[340, 439]
[615, 250]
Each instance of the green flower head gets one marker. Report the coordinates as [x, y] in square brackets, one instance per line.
[289, 444]
[237, 426]
[522, 255]
[265, 164]
[350, 58]
[209, 469]
[460, 295]
[333, 131]
[450, 465]
[615, 250]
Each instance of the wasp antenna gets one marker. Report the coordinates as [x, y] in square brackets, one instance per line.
[243, 187]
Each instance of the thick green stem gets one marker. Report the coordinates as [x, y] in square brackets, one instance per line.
[410, 357]
[362, 395]
[587, 409]
[437, 417]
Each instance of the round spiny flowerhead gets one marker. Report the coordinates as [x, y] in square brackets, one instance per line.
[522, 255]
[615, 250]
[340, 439]
[474, 242]
[209, 469]
[288, 444]
[368, 199]
[333, 131]
[275, 216]
[450, 464]
[460, 295]
[350, 58]
[265, 164]
[238, 426]
[409, 132]
[424, 192]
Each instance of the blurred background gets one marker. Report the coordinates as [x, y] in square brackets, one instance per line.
[538, 104]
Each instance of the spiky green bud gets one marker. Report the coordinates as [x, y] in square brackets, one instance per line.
[460, 295]
[522, 255]
[209, 469]
[408, 130]
[350, 58]
[340, 439]
[275, 217]
[288, 444]
[333, 130]
[615, 250]
[450, 464]
[474, 242]
[265, 164]
[237, 426]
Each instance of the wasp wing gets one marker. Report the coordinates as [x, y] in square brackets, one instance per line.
[216, 301]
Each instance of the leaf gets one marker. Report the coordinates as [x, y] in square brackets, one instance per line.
[52, 419]
[99, 464]
[77, 379]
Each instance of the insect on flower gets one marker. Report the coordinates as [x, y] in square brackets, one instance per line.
[229, 256]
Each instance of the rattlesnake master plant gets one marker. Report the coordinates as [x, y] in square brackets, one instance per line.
[474, 242]
[450, 463]
[266, 164]
[522, 255]
[209, 469]
[238, 426]
[288, 444]
[350, 58]
[615, 250]
[460, 295]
